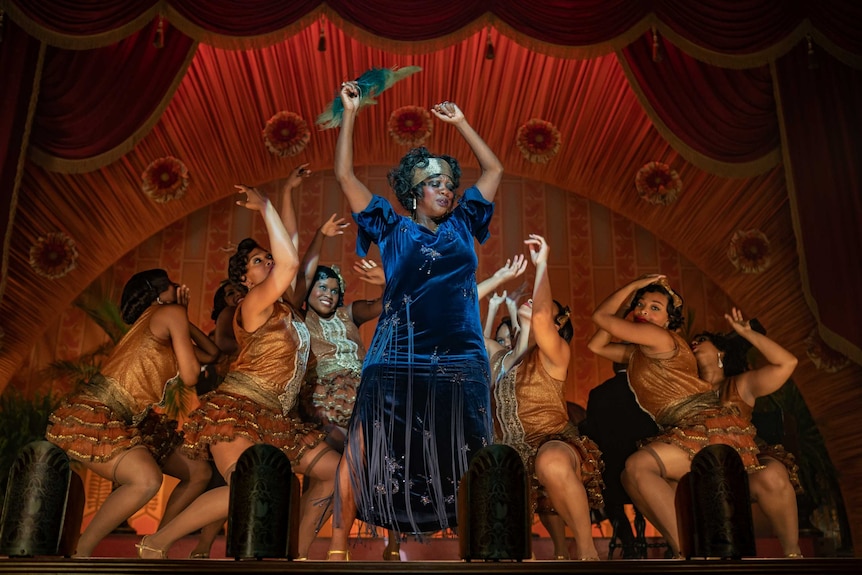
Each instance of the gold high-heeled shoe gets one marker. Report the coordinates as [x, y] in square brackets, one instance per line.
[144, 548]
[391, 555]
[332, 552]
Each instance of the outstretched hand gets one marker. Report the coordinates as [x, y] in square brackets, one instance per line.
[369, 271]
[448, 112]
[333, 227]
[512, 268]
[539, 249]
[296, 176]
[735, 320]
[255, 200]
[497, 299]
[350, 95]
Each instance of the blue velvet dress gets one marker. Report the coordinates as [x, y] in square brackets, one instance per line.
[423, 405]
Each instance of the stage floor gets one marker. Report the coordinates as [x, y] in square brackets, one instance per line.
[440, 557]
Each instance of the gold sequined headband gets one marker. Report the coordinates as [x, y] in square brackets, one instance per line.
[677, 301]
[434, 167]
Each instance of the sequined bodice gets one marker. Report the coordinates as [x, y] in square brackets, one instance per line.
[141, 363]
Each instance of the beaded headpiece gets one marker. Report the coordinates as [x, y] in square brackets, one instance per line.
[433, 167]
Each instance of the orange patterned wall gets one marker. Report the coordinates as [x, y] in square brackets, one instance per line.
[593, 251]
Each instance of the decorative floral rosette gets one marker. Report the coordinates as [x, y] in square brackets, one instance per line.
[165, 179]
[539, 140]
[749, 251]
[410, 125]
[822, 356]
[657, 183]
[286, 134]
[53, 255]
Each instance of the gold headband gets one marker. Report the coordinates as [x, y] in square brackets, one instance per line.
[677, 301]
[434, 167]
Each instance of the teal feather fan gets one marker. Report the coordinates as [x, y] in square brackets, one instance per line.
[371, 83]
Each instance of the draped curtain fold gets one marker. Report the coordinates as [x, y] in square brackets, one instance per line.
[822, 123]
[719, 118]
[19, 63]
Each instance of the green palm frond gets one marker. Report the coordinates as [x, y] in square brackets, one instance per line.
[176, 399]
[104, 311]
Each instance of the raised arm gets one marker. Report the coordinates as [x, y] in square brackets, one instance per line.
[490, 319]
[510, 270]
[492, 169]
[601, 345]
[257, 304]
[358, 196]
[332, 227]
[365, 310]
[205, 349]
[652, 337]
[770, 377]
[554, 350]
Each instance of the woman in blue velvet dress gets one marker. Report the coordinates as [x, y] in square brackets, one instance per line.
[423, 406]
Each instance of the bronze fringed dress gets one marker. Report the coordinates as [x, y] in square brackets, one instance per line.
[529, 408]
[685, 407]
[729, 394]
[113, 411]
[257, 398]
[334, 369]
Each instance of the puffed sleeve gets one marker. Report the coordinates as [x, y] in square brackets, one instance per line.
[478, 212]
[374, 222]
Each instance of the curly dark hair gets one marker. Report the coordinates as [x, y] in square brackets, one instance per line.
[238, 263]
[735, 359]
[219, 297]
[674, 313]
[401, 177]
[566, 330]
[734, 346]
[325, 273]
[140, 291]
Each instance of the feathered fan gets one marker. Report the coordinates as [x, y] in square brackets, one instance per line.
[371, 83]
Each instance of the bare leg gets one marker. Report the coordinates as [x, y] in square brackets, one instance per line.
[392, 551]
[559, 471]
[207, 538]
[648, 484]
[318, 466]
[771, 489]
[343, 521]
[194, 477]
[211, 506]
[557, 530]
[139, 479]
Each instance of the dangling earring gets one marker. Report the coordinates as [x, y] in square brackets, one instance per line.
[720, 363]
[414, 203]
[159, 299]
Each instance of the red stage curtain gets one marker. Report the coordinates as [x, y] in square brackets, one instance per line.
[84, 107]
[715, 25]
[19, 68]
[727, 115]
[823, 124]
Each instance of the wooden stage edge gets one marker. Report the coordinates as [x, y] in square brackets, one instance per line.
[806, 566]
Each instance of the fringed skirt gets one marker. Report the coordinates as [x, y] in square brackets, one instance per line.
[230, 412]
[329, 399]
[696, 426]
[95, 431]
[589, 456]
[786, 458]
[414, 430]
